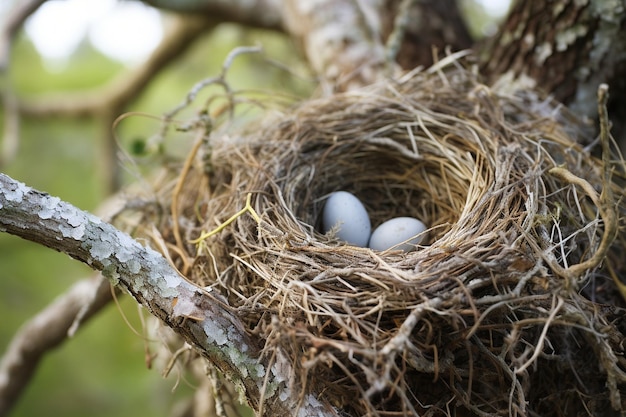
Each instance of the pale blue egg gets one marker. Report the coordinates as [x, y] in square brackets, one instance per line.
[392, 234]
[345, 213]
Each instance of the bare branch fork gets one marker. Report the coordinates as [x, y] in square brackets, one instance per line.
[200, 317]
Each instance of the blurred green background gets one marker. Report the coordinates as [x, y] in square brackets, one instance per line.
[102, 371]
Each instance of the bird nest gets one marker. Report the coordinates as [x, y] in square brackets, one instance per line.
[510, 307]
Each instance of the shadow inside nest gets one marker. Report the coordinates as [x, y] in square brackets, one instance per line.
[489, 317]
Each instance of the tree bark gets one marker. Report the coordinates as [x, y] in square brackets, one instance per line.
[565, 48]
[201, 317]
[352, 44]
[342, 40]
[432, 26]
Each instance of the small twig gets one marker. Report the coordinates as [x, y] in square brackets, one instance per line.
[219, 80]
[516, 385]
[174, 358]
[178, 188]
[247, 208]
[388, 353]
[606, 197]
[604, 202]
[542, 336]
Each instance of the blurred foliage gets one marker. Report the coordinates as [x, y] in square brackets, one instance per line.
[101, 371]
[31, 75]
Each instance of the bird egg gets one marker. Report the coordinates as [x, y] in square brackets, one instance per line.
[346, 214]
[402, 233]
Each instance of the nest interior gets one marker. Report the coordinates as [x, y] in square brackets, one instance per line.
[509, 308]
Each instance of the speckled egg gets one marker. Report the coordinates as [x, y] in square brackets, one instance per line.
[392, 234]
[345, 213]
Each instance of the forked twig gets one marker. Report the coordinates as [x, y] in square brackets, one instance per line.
[604, 202]
[247, 208]
[542, 337]
[219, 80]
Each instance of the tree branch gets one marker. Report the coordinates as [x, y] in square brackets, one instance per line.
[265, 14]
[202, 318]
[342, 40]
[122, 90]
[44, 332]
[12, 23]
[429, 25]
[108, 102]
[56, 323]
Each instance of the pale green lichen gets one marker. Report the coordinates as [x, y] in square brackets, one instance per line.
[543, 52]
[227, 342]
[133, 266]
[17, 194]
[567, 37]
[48, 207]
[101, 249]
[110, 271]
[259, 370]
[284, 395]
[161, 280]
[75, 232]
[608, 10]
[214, 333]
[239, 359]
[311, 404]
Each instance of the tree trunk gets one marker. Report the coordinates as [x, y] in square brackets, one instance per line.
[566, 48]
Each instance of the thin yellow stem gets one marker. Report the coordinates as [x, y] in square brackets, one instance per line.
[179, 186]
[247, 208]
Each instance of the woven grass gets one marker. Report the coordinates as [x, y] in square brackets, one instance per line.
[509, 308]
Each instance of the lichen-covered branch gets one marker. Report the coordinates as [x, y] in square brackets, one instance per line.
[49, 328]
[201, 317]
